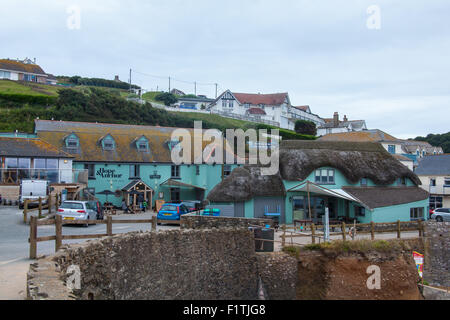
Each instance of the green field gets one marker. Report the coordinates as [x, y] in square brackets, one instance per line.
[27, 88]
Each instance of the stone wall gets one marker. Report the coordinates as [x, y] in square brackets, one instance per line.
[193, 221]
[437, 253]
[9, 192]
[170, 265]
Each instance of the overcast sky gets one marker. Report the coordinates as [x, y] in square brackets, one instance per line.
[387, 64]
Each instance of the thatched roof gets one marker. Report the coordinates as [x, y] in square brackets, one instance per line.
[377, 197]
[355, 160]
[245, 183]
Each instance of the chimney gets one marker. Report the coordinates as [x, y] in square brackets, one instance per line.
[34, 60]
[345, 118]
[336, 119]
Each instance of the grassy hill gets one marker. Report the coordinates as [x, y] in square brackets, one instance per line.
[21, 103]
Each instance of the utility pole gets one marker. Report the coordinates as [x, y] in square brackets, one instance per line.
[169, 84]
[216, 89]
[130, 80]
[195, 87]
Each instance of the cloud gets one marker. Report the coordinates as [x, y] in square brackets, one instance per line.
[322, 53]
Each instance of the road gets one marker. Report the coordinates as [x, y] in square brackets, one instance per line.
[14, 246]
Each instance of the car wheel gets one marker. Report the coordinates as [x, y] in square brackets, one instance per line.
[439, 219]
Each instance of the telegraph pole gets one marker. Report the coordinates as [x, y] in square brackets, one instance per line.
[195, 87]
[216, 89]
[169, 84]
[130, 80]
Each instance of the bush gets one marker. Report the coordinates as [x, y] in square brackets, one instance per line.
[166, 98]
[305, 127]
[43, 100]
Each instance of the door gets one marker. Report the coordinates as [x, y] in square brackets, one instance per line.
[272, 203]
[298, 207]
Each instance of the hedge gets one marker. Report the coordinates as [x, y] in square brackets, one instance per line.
[31, 99]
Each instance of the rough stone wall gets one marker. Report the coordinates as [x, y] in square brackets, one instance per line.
[278, 273]
[208, 222]
[437, 253]
[192, 264]
[10, 192]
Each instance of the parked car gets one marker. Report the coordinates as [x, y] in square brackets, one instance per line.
[192, 205]
[97, 207]
[77, 210]
[441, 214]
[171, 211]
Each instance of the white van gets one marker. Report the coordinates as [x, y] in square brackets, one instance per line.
[32, 190]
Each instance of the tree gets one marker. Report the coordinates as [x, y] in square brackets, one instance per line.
[167, 98]
[305, 127]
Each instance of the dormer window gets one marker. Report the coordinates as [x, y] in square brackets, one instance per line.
[142, 144]
[72, 141]
[108, 143]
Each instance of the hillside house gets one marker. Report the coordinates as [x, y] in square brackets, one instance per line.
[22, 70]
[273, 109]
[334, 125]
[434, 173]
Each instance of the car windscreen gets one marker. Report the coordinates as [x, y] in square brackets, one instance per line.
[169, 208]
[71, 205]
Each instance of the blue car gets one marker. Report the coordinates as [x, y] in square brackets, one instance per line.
[171, 211]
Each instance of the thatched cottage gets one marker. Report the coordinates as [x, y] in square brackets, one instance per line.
[353, 179]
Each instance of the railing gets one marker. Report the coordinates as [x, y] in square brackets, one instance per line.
[15, 176]
[49, 203]
[360, 228]
[439, 190]
[246, 118]
[59, 237]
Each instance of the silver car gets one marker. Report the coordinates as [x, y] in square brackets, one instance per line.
[77, 210]
[441, 214]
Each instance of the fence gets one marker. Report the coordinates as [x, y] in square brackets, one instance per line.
[14, 176]
[361, 228]
[41, 206]
[364, 228]
[59, 237]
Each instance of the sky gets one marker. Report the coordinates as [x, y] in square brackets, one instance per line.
[386, 62]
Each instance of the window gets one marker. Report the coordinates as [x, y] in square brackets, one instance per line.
[175, 172]
[391, 148]
[324, 176]
[247, 105]
[108, 143]
[175, 194]
[416, 213]
[91, 170]
[134, 171]
[360, 211]
[432, 182]
[197, 170]
[11, 163]
[446, 182]
[46, 163]
[402, 181]
[435, 202]
[226, 170]
[364, 182]
[142, 144]
[230, 104]
[5, 75]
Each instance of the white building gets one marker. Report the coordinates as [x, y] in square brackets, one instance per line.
[22, 70]
[273, 109]
[334, 125]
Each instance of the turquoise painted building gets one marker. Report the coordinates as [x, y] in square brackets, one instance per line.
[355, 181]
[125, 159]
